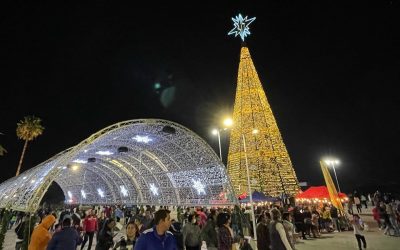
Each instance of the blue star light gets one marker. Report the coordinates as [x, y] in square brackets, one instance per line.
[241, 26]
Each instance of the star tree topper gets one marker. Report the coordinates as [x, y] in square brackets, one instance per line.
[241, 26]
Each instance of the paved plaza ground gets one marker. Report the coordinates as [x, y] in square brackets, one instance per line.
[375, 238]
[346, 240]
[332, 241]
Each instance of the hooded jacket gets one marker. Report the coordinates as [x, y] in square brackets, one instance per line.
[40, 235]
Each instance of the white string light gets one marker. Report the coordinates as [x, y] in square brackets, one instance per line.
[144, 139]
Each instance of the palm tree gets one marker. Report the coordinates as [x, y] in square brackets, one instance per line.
[27, 130]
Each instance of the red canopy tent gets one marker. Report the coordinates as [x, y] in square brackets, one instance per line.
[320, 192]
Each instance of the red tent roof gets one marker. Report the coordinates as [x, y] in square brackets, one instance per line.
[320, 192]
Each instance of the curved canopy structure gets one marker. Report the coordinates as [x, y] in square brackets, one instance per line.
[149, 162]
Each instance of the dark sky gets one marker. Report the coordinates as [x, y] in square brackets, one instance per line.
[330, 74]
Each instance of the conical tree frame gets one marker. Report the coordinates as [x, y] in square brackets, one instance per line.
[270, 167]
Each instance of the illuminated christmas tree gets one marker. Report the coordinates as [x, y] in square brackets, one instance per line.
[255, 133]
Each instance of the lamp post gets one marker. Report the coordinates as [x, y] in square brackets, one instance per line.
[332, 163]
[217, 133]
[248, 185]
[228, 122]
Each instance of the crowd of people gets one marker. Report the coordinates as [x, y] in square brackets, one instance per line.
[386, 213]
[277, 227]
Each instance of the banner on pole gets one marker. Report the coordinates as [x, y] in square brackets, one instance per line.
[333, 194]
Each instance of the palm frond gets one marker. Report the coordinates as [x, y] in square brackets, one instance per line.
[29, 128]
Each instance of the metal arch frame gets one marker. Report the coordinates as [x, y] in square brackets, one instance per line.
[101, 176]
[30, 201]
[140, 150]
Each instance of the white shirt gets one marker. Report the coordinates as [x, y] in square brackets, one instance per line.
[357, 227]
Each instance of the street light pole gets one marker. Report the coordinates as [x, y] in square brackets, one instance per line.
[334, 171]
[332, 162]
[249, 189]
[219, 144]
[217, 132]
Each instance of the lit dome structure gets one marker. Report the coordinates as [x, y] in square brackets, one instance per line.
[136, 162]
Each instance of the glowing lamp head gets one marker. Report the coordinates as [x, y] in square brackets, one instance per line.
[228, 122]
[214, 131]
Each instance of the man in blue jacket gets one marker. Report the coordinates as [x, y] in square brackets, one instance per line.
[158, 237]
[67, 238]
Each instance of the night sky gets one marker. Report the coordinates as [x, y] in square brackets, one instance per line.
[329, 72]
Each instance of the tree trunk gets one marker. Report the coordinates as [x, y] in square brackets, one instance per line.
[22, 158]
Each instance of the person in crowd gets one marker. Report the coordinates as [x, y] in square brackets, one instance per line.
[128, 216]
[357, 201]
[176, 230]
[139, 223]
[377, 197]
[158, 237]
[107, 212]
[90, 226]
[225, 233]
[327, 219]
[148, 220]
[202, 219]
[289, 228]
[132, 234]
[315, 217]
[41, 235]
[119, 214]
[364, 201]
[308, 222]
[350, 205]
[358, 227]
[105, 241]
[384, 218]
[299, 222]
[370, 199]
[76, 224]
[209, 234]
[262, 230]
[186, 215]
[236, 220]
[335, 218]
[19, 230]
[192, 233]
[398, 213]
[279, 239]
[391, 211]
[244, 243]
[375, 214]
[67, 238]
[12, 221]
[100, 222]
